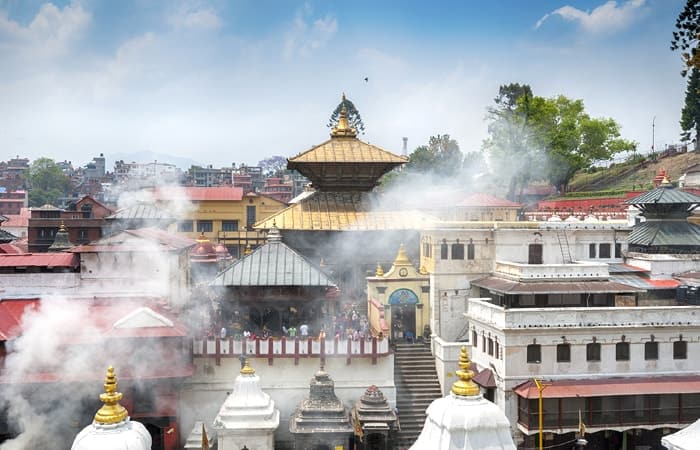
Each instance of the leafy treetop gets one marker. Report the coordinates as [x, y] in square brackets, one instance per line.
[687, 37]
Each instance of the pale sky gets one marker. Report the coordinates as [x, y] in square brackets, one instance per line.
[235, 81]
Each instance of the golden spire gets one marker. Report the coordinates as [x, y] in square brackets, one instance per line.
[422, 270]
[246, 369]
[465, 386]
[205, 439]
[62, 227]
[202, 238]
[248, 250]
[111, 411]
[402, 257]
[666, 182]
[380, 271]
[343, 128]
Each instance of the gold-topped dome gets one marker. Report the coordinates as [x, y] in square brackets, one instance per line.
[111, 411]
[343, 129]
[402, 257]
[246, 369]
[465, 386]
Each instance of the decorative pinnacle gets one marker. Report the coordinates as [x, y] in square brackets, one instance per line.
[380, 271]
[62, 227]
[402, 257]
[202, 238]
[666, 182]
[111, 411]
[465, 386]
[248, 250]
[343, 128]
[246, 369]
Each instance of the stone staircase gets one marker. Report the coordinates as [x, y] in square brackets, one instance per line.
[416, 387]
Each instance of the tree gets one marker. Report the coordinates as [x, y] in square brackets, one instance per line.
[511, 146]
[46, 182]
[274, 165]
[441, 157]
[536, 138]
[690, 115]
[353, 116]
[687, 37]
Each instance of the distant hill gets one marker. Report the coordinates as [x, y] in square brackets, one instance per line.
[634, 175]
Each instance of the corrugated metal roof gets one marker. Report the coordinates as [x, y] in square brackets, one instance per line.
[504, 286]
[644, 283]
[272, 264]
[142, 211]
[481, 199]
[611, 386]
[342, 211]
[39, 260]
[624, 268]
[666, 195]
[346, 150]
[199, 193]
[6, 236]
[665, 233]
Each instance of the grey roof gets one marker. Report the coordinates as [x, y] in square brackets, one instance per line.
[615, 268]
[142, 211]
[6, 236]
[272, 264]
[666, 233]
[504, 286]
[665, 195]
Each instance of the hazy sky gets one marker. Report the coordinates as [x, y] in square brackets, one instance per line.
[231, 81]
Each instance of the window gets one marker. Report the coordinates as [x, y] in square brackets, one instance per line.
[604, 250]
[204, 226]
[651, 351]
[443, 250]
[618, 250]
[496, 350]
[534, 254]
[250, 216]
[534, 353]
[470, 251]
[474, 338]
[680, 350]
[83, 234]
[490, 347]
[622, 351]
[483, 343]
[185, 226]
[593, 351]
[591, 251]
[458, 251]
[229, 225]
[563, 353]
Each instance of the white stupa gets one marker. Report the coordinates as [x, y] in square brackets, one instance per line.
[248, 417]
[464, 419]
[112, 429]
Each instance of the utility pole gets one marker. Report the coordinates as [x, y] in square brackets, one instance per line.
[653, 137]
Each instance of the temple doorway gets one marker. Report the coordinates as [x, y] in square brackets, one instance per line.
[403, 321]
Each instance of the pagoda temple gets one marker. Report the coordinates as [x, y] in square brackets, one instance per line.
[666, 229]
[321, 420]
[342, 216]
[375, 421]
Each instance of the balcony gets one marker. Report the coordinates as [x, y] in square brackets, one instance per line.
[577, 271]
[482, 310]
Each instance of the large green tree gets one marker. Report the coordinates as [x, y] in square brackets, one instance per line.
[354, 118]
[536, 138]
[46, 182]
[690, 115]
[686, 38]
[441, 157]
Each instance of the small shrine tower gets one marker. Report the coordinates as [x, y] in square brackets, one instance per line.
[248, 417]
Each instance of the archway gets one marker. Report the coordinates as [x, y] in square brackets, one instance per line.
[403, 313]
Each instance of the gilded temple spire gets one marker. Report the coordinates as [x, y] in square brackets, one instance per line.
[343, 129]
[465, 386]
[111, 411]
[402, 257]
[246, 369]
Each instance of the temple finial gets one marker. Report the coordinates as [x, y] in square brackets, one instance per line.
[380, 271]
[246, 369]
[465, 386]
[343, 128]
[111, 411]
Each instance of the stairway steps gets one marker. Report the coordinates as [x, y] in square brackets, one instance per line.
[416, 387]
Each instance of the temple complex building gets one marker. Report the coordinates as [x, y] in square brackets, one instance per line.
[336, 222]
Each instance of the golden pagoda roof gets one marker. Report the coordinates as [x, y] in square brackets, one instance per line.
[342, 211]
[343, 149]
